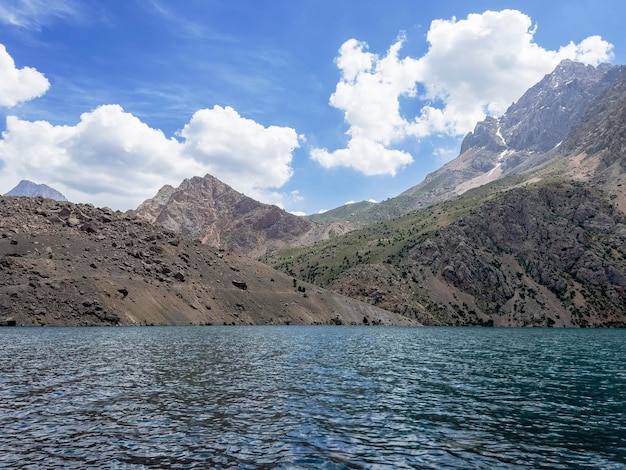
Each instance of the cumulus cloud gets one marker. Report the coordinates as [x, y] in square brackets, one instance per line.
[369, 93]
[480, 65]
[113, 158]
[473, 67]
[240, 150]
[19, 85]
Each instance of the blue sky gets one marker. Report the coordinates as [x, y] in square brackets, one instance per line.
[307, 104]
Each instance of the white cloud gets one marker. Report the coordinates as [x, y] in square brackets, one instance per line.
[33, 14]
[480, 65]
[112, 158]
[19, 85]
[368, 156]
[240, 151]
[473, 67]
[368, 93]
[592, 50]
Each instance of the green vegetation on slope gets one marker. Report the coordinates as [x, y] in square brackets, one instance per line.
[547, 253]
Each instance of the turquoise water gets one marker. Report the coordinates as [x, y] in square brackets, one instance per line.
[312, 397]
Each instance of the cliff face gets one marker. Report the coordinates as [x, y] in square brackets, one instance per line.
[207, 209]
[66, 264]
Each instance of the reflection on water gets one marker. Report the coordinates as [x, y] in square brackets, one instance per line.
[311, 397]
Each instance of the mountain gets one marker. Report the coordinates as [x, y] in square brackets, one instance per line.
[526, 137]
[210, 210]
[526, 227]
[30, 189]
[74, 264]
[531, 230]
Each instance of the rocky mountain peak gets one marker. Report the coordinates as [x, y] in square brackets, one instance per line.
[27, 188]
[520, 140]
[212, 211]
[487, 135]
[544, 115]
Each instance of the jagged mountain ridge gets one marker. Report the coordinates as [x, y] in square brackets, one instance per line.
[523, 139]
[210, 210]
[26, 188]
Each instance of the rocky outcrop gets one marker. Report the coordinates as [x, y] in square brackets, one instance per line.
[67, 264]
[563, 241]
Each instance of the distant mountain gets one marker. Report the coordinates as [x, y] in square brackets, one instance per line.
[30, 189]
[346, 212]
[210, 210]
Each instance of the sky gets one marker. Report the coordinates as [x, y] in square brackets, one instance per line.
[307, 104]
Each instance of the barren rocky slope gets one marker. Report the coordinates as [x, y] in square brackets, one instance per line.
[66, 264]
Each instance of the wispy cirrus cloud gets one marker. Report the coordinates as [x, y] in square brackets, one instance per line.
[34, 14]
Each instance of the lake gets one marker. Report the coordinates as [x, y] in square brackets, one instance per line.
[312, 397]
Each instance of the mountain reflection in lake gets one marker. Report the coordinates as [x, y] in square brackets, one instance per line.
[312, 397]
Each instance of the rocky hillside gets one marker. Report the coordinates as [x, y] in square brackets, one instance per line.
[29, 189]
[66, 264]
[213, 212]
[552, 254]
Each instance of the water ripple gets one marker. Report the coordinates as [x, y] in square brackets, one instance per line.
[312, 397]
